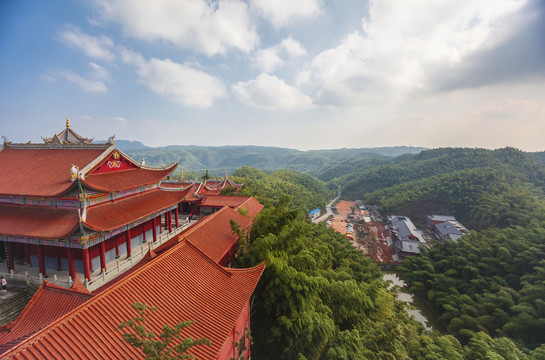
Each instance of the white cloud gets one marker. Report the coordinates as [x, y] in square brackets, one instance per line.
[269, 92]
[95, 47]
[403, 45]
[292, 47]
[282, 12]
[205, 26]
[131, 57]
[269, 59]
[85, 84]
[181, 83]
[118, 119]
[99, 72]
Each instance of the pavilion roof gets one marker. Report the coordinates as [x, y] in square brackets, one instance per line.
[37, 222]
[49, 303]
[41, 172]
[234, 201]
[58, 223]
[127, 179]
[183, 283]
[67, 137]
[45, 172]
[213, 235]
[220, 184]
[112, 215]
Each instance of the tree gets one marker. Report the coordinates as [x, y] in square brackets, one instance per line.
[158, 347]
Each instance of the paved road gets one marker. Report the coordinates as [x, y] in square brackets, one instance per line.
[328, 211]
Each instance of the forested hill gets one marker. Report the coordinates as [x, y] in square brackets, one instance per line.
[218, 159]
[483, 188]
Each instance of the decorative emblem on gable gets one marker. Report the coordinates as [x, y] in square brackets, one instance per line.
[114, 163]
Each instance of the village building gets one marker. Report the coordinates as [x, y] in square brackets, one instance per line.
[406, 237]
[313, 214]
[445, 227]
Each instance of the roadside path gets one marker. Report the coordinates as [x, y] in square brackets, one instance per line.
[328, 211]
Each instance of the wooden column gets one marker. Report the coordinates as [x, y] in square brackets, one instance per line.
[170, 221]
[154, 232]
[102, 256]
[41, 260]
[11, 263]
[177, 217]
[144, 233]
[128, 241]
[116, 247]
[71, 267]
[86, 267]
[59, 257]
[27, 254]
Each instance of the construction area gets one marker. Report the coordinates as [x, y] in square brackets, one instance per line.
[364, 229]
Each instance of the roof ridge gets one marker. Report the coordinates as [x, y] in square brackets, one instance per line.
[208, 258]
[201, 223]
[262, 264]
[31, 303]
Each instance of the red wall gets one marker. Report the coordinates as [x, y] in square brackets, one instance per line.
[228, 349]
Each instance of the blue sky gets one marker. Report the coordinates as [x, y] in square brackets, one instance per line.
[306, 74]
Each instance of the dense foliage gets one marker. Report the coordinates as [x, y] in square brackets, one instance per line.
[268, 187]
[480, 198]
[320, 298]
[411, 168]
[491, 281]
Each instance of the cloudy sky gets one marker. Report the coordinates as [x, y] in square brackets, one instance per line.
[305, 74]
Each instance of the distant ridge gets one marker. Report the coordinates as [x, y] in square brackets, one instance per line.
[219, 159]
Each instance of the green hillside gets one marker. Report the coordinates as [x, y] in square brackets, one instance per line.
[218, 159]
[269, 187]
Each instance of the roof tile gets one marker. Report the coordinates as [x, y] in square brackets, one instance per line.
[41, 172]
[210, 295]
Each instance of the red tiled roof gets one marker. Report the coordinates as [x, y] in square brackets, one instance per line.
[41, 172]
[183, 284]
[252, 205]
[213, 234]
[48, 304]
[112, 215]
[34, 222]
[78, 286]
[126, 179]
[234, 201]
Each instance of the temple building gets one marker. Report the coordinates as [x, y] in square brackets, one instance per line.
[70, 206]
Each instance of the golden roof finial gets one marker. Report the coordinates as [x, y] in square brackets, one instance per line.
[67, 123]
[225, 174]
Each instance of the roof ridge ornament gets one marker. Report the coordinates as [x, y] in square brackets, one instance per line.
[74, 173]
[111, 140]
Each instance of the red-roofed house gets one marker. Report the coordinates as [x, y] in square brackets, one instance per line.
[183, 283]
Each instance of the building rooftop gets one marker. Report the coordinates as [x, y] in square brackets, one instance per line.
[213, 234]
[208, 294]
[49, 303]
